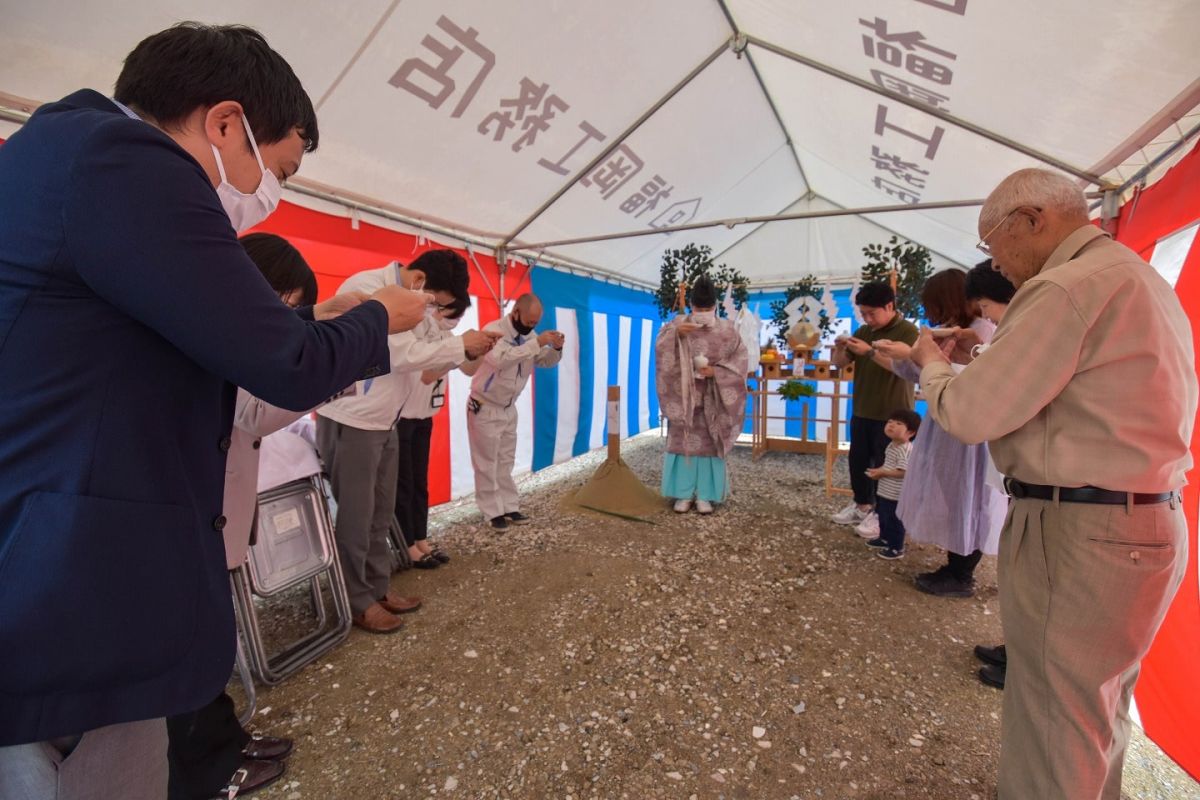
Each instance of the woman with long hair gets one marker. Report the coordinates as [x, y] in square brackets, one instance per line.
[947, 500]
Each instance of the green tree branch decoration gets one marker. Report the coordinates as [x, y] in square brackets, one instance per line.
[687, 265]
[805, 287]
[913, 265]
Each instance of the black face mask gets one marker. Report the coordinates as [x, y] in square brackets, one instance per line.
[521, 327]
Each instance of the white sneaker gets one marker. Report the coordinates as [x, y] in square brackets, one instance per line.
[869, 527]
[683, 506]
[704, 507]
[850, 515]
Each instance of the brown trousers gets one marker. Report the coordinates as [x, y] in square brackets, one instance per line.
[1083, 590]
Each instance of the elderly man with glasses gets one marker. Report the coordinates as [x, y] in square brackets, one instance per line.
[1095, 544]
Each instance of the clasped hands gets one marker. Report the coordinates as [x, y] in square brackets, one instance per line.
[952, 348]
[406, 308]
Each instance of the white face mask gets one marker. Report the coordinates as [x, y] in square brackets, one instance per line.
[247, 210]
[447, 324]
[704, 317]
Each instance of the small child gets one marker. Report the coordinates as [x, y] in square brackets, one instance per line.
[901, 427]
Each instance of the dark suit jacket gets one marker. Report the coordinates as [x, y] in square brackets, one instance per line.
[128, 314]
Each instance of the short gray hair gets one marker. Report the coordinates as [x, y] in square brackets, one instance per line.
[1039, 188]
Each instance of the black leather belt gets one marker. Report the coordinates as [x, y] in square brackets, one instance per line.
[1085, 494]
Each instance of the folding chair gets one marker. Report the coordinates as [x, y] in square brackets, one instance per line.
[242, 666]
[398, 547]
[294, 547]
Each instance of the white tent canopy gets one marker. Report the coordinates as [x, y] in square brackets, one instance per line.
[524, 124]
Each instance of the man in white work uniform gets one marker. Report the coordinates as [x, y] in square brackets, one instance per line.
[498, 380]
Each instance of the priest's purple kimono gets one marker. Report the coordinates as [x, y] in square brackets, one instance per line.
[704, 414]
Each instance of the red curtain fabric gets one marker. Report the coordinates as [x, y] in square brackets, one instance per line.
[1167, 697]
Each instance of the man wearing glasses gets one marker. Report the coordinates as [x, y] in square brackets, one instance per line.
[358, 442]
[1095, 544]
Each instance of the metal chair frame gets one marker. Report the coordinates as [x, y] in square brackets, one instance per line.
[272, 668]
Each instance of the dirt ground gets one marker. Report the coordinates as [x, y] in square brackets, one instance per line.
[760, 653]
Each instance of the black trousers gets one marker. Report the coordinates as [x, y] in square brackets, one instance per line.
[891, 529]
[867, 446]
[963, 567]
[412, 478]
[204, 750]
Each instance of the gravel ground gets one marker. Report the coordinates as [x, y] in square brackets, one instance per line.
[759, 653]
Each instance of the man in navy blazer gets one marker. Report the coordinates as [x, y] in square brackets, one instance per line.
[129, 314]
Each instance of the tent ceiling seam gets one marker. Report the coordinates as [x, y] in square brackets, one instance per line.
[733, 221]
[926, 109]
[357, 54]
[894, 232]
[787, 135]
[1170, 115]
[818, 196]
[603, 154]
[453, 234]
[736, 184]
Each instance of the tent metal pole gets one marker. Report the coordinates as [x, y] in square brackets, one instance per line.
[823, 198]
[607, 151]
[740, 48]
[1154, 163]
[902, 236]
[927, 109]
[734, 221]
[1141, 174]
[450, 233]
[1172, 113]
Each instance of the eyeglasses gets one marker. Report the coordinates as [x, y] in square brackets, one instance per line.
[983, 246]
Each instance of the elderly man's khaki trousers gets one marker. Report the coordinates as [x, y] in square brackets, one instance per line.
[1083, 590]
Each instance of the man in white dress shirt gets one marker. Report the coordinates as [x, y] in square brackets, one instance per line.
[357, 437]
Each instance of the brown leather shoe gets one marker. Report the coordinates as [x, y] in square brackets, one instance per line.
[398, 604]
[377, 619]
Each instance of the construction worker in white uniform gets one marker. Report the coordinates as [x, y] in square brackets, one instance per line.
[498, 380]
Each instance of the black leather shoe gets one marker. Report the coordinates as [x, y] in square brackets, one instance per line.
[439, 556]
[517, 518]
[937, 574]
[992, 655]
[426, 561]
[267, 748]
[252, 776]
[499, 524]
[945, 586]
[992, 675]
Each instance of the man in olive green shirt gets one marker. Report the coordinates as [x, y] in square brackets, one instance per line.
[877, 393]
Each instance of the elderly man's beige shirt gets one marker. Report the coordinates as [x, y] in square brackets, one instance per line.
[1089, 381]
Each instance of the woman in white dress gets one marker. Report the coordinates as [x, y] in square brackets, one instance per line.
[947, 499]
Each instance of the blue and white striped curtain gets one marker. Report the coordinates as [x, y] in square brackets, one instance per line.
[610, 332]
